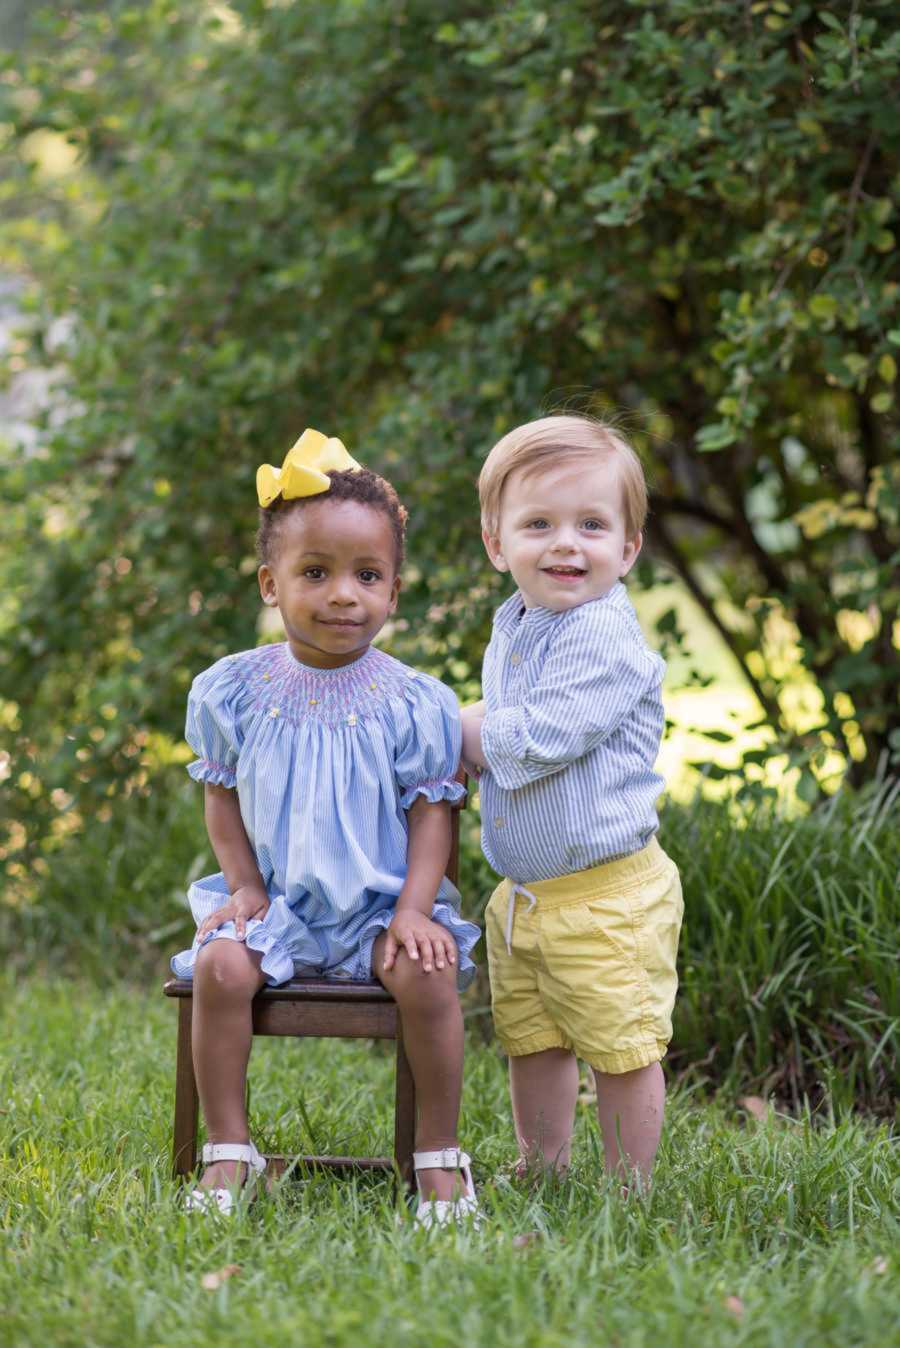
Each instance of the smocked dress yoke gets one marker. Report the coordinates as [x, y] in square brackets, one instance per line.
[325, 762]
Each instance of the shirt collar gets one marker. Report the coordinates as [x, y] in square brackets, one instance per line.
[512, 612]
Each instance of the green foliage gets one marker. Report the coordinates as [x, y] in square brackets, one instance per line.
[416, 226]
[781, 1232]
[787, 962]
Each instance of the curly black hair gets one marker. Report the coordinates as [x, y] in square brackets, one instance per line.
[350, 484]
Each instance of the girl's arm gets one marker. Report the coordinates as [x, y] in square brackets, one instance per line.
[236, 858]
[427, 853]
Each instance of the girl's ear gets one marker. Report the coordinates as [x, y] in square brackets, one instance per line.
[395, 594]
[492, 548]
[629, 556]
[267, 585]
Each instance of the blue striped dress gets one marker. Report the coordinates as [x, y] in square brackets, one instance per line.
[573, 721]
[325, 763]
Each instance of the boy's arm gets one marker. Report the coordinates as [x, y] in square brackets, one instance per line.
[472, 753]
[588, 685]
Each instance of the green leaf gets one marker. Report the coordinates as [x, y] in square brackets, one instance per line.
[716, 436]
[714, 771]
[823, 306]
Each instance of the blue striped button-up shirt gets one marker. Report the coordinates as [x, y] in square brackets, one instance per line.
[571, 732]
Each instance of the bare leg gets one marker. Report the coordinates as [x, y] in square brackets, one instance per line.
[433, 1038]
[544, 1089]
[630, 1109]
[226, 979]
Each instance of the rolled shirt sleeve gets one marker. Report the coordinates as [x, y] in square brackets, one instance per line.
[594, 675]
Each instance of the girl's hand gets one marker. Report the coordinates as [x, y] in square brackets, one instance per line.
[415, 933]
[245, 903]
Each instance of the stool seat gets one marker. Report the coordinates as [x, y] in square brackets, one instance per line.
[303, 990]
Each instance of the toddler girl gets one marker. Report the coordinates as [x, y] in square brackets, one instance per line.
[329, 768]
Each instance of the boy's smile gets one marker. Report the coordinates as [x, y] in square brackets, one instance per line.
[562, 532]
[333, 578]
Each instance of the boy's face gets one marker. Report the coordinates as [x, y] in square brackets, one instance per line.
[333, 578]
[562, 533]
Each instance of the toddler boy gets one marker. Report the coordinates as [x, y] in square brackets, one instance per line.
[583, 932]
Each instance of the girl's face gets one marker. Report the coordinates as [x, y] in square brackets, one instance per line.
[333, 579]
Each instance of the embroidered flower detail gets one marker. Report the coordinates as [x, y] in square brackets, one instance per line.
[284, 687]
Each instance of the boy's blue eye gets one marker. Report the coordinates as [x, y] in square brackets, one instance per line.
[537, 524]
[593, 524]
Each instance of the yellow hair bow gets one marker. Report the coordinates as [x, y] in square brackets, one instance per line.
[304, 470]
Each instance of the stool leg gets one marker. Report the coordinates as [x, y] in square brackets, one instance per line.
[404, 1112]
[184, 1149]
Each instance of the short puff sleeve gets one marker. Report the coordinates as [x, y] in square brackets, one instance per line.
[213, 727]
[429, 742]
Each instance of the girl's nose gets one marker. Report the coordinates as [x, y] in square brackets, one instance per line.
[342, 593]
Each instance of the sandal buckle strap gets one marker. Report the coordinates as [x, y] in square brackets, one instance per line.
[233, 1151]
[448, 1158]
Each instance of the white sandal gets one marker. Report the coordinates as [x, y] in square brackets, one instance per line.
[225, 1200]
[433, 1212]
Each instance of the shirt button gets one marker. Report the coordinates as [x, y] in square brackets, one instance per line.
[515, 659]
[498, 821]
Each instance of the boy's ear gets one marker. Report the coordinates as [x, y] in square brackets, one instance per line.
[629, 556]
[492, 548]
[267, 586]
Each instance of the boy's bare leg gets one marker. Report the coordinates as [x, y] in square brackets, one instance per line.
[433, 1039]
[630, 1108]
[544, 1090]
[226, 979]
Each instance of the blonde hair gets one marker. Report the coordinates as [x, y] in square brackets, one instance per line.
[549, 439]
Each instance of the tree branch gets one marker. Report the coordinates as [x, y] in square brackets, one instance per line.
[768, 704]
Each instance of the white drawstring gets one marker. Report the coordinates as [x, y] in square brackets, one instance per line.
[511, 911]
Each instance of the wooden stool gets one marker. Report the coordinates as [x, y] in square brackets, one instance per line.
[304, 1008]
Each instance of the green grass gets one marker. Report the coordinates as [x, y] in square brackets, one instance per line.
[791, 1218]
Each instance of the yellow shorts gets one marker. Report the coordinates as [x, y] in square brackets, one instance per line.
[592, 962]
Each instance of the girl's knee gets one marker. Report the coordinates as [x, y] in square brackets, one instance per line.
[226, 970]
[414, 990]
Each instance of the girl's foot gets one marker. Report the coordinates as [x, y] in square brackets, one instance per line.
[446, 1190]
[229, 1174]
[231, 1170]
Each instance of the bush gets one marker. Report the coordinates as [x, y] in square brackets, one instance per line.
[416, 226]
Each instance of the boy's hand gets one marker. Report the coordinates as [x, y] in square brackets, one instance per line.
[472, 752]
[245, 903]
[415, 933]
